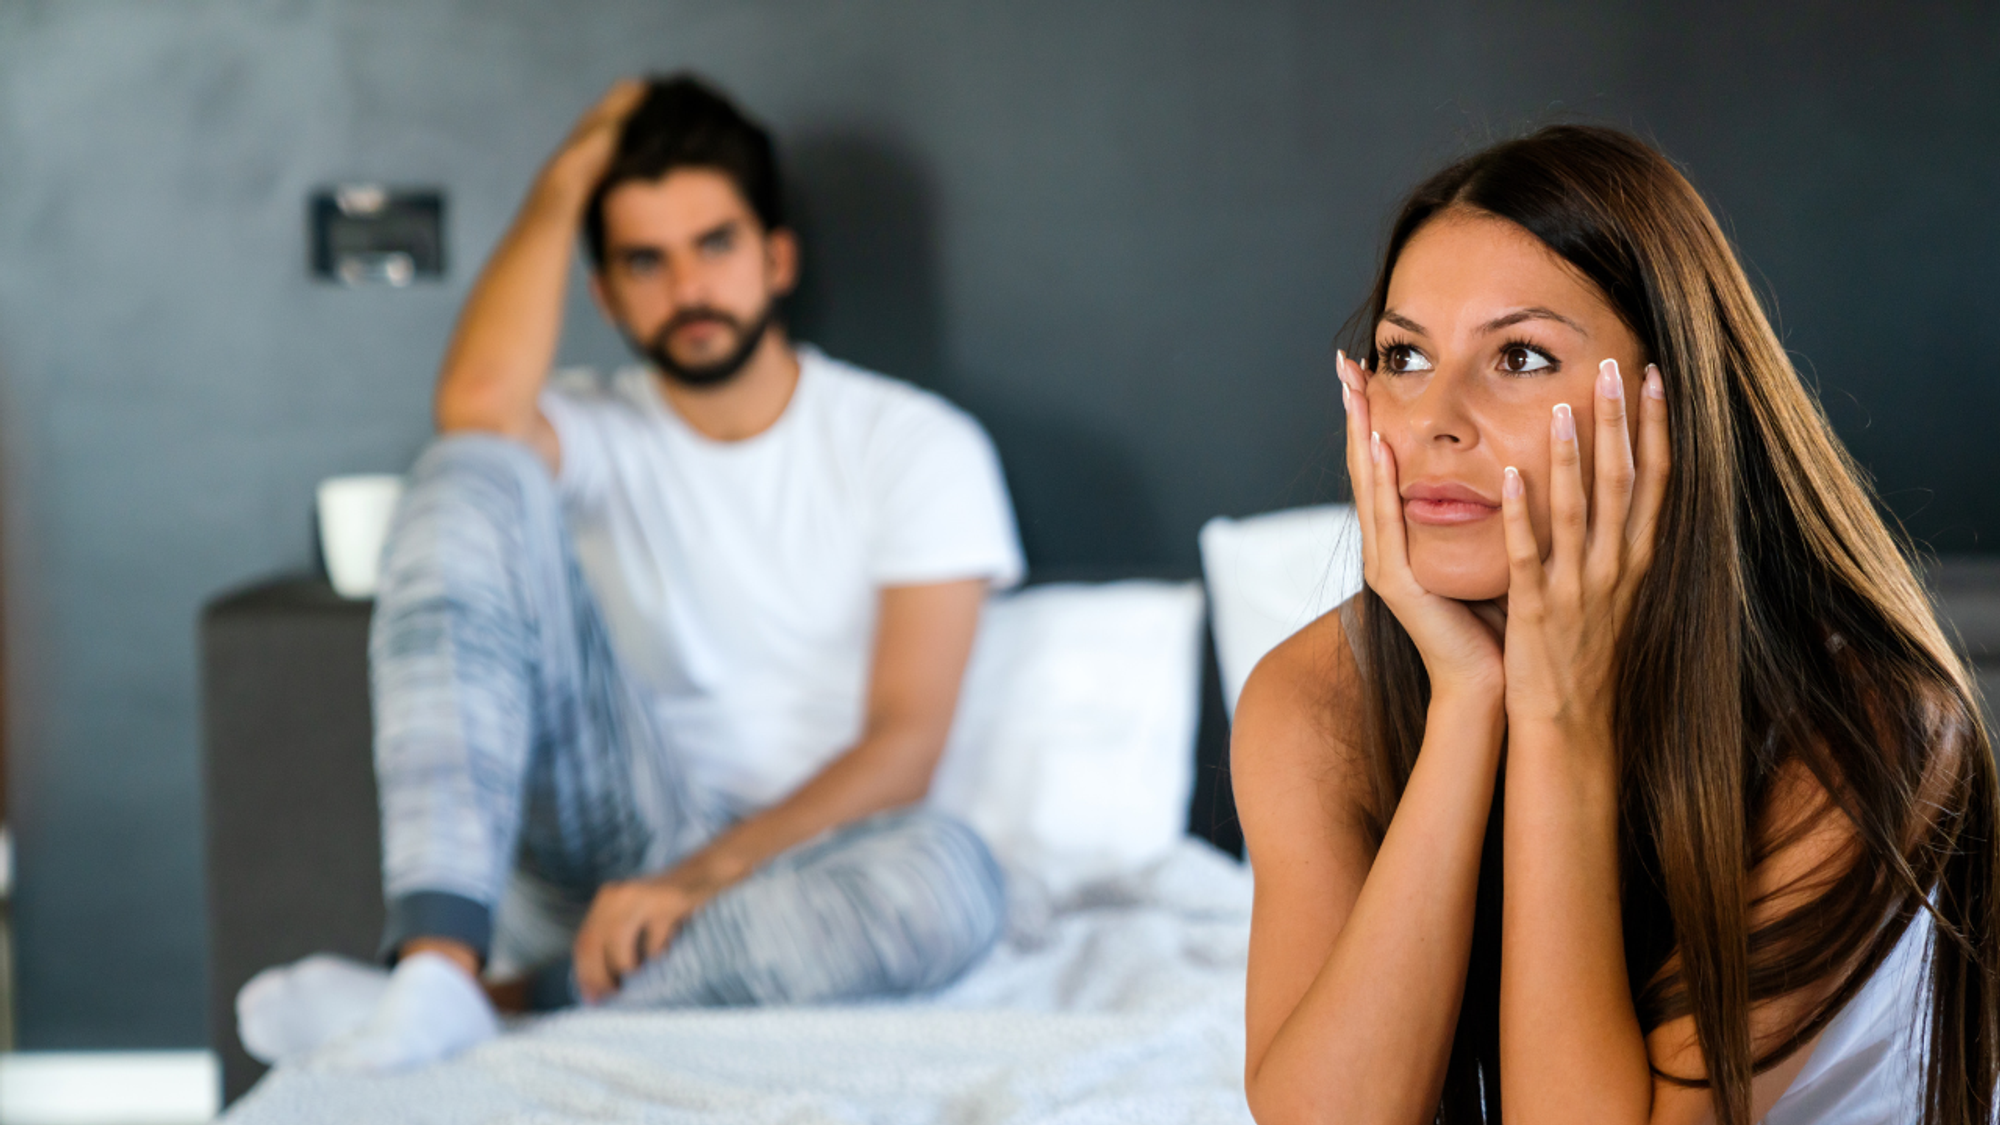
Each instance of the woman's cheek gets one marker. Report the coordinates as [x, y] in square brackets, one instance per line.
[1385, 416]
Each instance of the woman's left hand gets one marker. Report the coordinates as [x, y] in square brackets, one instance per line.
[1565, 614]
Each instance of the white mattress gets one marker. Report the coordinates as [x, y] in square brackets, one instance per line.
[1123, 1005]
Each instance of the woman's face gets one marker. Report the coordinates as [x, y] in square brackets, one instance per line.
[1484, 332]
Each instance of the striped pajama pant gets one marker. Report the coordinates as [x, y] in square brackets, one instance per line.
[519, 769]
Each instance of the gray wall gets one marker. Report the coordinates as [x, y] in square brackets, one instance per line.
[1123, 234]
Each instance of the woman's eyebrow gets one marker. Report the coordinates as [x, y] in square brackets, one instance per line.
[1403, 322]
[1536, 313]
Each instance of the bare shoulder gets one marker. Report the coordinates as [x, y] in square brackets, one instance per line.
[1297, 724]
[1300, 777]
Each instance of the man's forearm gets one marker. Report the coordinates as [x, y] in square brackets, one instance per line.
[923, 640]
[885, 770]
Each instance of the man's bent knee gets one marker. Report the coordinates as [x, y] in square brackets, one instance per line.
[481, 461]
[475, 501]
[898, 904]
[946, 889]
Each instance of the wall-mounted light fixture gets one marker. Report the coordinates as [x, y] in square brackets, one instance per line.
[368, 234]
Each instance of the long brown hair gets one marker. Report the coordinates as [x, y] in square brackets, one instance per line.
[1779, 626]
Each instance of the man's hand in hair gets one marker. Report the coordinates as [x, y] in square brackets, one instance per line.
[586, 153]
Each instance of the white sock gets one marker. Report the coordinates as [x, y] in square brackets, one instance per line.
[290, 1010]
[431, 1010]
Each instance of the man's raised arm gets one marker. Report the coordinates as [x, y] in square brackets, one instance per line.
[506, 338]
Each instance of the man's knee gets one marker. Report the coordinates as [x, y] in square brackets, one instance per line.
[901, 903]
[947, 846]
[484, 466]
[941, 883]
[474, 502]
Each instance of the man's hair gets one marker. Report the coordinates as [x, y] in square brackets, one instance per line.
[686, 123]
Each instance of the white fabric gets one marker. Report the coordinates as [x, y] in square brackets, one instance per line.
[1867, 1068]
[1073, 749]
[739, 579]
[1125, 1007]
[1271, 575]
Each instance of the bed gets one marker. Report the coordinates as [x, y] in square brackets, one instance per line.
[1116, 994]
[1122, 1002]
[1087, 751]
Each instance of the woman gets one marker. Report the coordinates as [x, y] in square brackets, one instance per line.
[1634, 783]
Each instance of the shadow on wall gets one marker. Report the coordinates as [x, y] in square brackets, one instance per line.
[869, 292]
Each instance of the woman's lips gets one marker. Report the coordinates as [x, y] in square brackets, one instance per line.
[1446, 504]
[1446, 511]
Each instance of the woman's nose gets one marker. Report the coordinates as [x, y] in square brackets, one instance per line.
[1439, 414]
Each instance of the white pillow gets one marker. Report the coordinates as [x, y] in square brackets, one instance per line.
[1073, 749]
[1271, 575]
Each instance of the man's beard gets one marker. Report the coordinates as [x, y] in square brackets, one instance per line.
[708, 374]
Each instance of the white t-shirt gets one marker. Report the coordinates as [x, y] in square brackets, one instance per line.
[739, 579]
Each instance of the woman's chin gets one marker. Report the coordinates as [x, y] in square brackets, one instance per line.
[1467, 584]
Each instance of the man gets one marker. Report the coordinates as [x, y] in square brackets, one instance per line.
[663, 665]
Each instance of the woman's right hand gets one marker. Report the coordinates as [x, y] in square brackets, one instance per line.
[586, 154]
[1460, 645]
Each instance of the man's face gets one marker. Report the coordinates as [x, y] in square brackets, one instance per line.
[690, 275]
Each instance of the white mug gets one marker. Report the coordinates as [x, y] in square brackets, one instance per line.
[354, 514]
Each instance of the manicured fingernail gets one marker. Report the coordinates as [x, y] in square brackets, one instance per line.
[1511, 486]
[1345, 402]
[1565, 426]
[1375, 444]
[1656, 387]
[1608, 383]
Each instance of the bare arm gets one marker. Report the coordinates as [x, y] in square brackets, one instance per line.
[1570, 1043]
[506, 337]
[923, 639]
[1357, 957]
[1358, 962]
[1571, 1047]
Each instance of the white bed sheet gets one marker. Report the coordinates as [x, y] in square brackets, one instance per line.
[1124, 1004]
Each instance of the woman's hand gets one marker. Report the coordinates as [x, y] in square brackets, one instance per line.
[1565, 615]
[1460, 648]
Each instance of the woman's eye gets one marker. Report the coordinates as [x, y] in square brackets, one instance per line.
[1519, 359]
[1402, 359]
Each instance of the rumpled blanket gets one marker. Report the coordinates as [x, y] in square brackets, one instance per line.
[1122, 1003]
